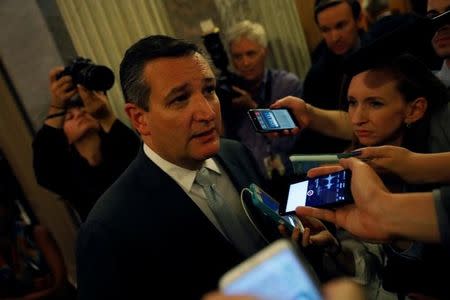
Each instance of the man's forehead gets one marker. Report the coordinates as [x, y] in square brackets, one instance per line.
[169, 72]
[438, 5]
[338, 13]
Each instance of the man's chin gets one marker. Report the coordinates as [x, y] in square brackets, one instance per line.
[209, 150]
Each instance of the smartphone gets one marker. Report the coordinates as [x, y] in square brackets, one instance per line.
[271, 120]
[326, 191]
[278, 271]
[270, 206]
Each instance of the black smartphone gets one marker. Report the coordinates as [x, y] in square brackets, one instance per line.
[269, 120]
[326, 191]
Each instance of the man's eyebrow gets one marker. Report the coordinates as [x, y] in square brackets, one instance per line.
[176, 90]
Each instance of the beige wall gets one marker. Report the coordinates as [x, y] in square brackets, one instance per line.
[305, 9]
[15, 141]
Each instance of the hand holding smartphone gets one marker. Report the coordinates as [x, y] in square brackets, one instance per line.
[278, 271]
[326, 191]
[266, 120]
[270, 207]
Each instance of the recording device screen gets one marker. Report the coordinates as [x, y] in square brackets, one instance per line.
[267, 120]
[277, 273]
[270, 207]
[330, 190]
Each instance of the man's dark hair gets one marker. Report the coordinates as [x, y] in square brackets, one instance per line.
[321, 5]
[134, 87]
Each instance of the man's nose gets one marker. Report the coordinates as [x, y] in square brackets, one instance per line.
[335, 35]
[204, 110]
[246, 60]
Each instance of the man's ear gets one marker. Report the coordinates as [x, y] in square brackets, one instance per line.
[138, 118]
[416, 110]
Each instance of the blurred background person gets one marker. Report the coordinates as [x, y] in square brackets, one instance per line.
[82, 147]
[340, 25]
[247, 43]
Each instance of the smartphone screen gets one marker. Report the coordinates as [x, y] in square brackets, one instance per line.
[276, 272]
[270, 207]
[323, 191]
[268, 120]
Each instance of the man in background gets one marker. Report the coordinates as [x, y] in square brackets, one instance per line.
[247, 43]
[339, 24]
[441, 38]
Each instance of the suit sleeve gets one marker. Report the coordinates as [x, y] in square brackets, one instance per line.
[97, 272]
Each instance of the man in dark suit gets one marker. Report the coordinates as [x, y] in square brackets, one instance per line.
[339, 22]
[153, 233]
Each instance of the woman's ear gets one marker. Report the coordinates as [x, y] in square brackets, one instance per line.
[416, 110]
[138, 118]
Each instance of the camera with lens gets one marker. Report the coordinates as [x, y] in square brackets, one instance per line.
[91, 76]
[226, 79]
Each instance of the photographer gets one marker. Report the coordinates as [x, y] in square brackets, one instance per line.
[82, 147]
[247, 42]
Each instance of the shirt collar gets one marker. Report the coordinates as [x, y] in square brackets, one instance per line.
[184, 177]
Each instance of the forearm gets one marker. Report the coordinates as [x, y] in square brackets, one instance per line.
[56, 115]
[334, 123]
[430, 168]
[107, 121]
[411, 216]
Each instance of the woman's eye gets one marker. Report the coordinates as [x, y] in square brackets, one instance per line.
[351, 102]
[376, 104]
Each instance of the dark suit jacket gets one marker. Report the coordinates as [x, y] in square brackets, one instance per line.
[145, 236]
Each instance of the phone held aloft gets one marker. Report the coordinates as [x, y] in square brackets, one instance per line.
[326, 191]
[278, 271]
[266, 120]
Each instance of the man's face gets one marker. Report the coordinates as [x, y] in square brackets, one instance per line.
[248, 58]
[183, 122]
[441, 38]
[338, 27]
[78, 123]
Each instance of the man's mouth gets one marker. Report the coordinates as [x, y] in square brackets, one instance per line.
[205, 133]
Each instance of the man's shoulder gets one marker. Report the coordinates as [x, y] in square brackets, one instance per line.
[133, 185]
[233, 150]
[229, 144]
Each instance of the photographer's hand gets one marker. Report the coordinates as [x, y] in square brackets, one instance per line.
[61, 91]
[96, 103]
[244, 101]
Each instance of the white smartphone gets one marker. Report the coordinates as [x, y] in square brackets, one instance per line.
[278, 271]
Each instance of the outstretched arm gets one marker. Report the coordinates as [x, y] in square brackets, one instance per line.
[377, 214]
[332, 123]
[410, 166]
